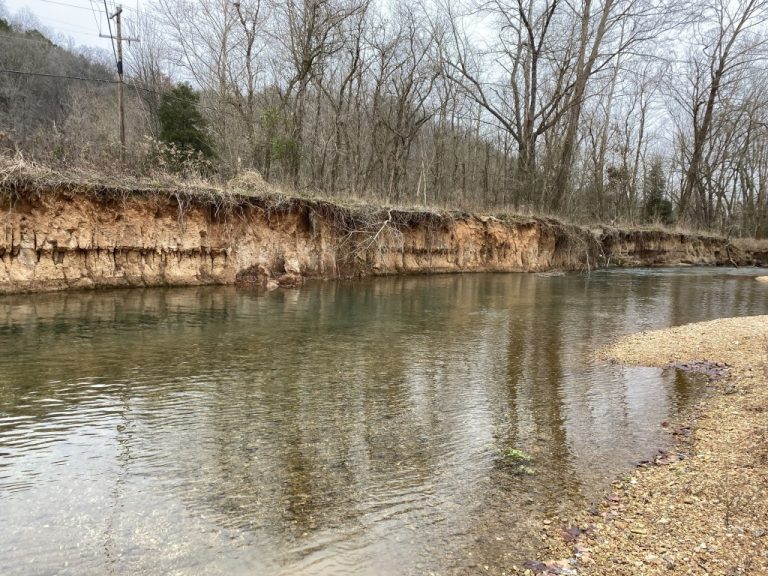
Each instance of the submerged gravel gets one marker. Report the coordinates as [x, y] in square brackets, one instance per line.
[703, 507]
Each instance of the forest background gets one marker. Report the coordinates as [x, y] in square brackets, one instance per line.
[598, 111]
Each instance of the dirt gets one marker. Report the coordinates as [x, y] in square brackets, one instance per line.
[703, 507]
[62, 240]
[72, 237]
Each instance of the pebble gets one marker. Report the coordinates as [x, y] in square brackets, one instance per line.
[735, 344]
[652, 559]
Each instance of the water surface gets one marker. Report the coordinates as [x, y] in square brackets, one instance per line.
[341, 428]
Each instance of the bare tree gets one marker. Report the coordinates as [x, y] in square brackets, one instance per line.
[147, 66]
[310, 33]
[729, 39]
[512, 104]
[607, 30]
[523, 79]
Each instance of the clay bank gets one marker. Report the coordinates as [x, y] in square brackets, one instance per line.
[58, 236]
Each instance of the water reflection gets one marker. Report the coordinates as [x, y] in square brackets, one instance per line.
[343, 427]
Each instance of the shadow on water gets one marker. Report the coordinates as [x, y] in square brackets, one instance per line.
[339, 428]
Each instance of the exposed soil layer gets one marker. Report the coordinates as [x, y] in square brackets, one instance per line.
[702, 508]
[659, 248]
[62, 236]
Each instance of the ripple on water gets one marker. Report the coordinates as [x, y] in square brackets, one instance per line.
[350, 428]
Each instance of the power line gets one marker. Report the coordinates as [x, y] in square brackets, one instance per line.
[60, 31]
[58, 28]
[78, 6]
[111, 37]
[65, 4]
[36, 40]
[72, 5]
[101, 81]
[94, 7]
[62, 76]
[47, 20]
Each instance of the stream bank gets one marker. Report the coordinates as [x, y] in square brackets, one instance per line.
[59, 236]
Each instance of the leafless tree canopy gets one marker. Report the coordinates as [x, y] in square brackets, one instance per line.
[600, 110]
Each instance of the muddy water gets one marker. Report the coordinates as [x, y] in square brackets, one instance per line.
[342, 428]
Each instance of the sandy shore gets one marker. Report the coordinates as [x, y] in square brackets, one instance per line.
[703, 508]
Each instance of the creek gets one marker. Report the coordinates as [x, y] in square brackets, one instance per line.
[355, 427]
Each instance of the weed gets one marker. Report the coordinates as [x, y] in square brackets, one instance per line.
[514, 457]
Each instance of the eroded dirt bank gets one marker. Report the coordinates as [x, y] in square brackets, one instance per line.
[77, 236]
[703, 508]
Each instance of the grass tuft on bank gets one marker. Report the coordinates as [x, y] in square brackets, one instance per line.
[364, 223]
[22, 178]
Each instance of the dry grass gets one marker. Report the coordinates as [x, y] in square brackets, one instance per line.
[665, 230]
[683, 228]
[751, 244]
[362, 223]
[15, 170]
[20, 175]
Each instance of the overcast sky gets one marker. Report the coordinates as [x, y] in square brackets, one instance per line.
[81, 20]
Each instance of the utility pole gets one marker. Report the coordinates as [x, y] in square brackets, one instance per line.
[120, 84]
[120, 104]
